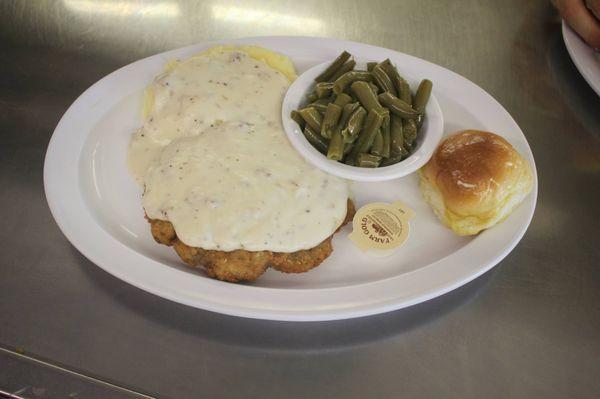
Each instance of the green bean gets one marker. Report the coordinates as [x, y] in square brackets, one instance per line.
[321, 103]
[374, 87]
[422, 95]
[319, 107]
[385, 131]
[348, 139]
[393, 74]
[419, 121]
[370, 66]
[404, 153]
[297, 118]
[347, 148]
[315, 139]
[348, 160]
[355, 123]
[347, 67]
[363, 137]
[396, 136]
[323, 89]
[383, 80]
[409, 127]
[336, 146]
[349, 78]
[326, 100]
[402, 87]
[333, 67]
[312, 117]
[405, 94]
[346, 113]
[349, 92]
[389, 68]
[377, 148]
[342, 100]
[367, 97]
[367, 160]
[367, 135]
[330, 120]
[397, 106]
[312, 97]
[391, 160]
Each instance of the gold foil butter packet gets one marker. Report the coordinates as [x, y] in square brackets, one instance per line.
[380, 228]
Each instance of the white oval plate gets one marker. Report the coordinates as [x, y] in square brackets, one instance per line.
[98, 206]
[584, 57]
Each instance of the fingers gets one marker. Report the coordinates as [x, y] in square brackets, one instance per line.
[581, 19]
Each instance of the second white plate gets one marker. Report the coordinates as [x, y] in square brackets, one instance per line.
[586, 60]
[98, 206]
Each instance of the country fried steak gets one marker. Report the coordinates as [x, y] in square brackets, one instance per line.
[241, 265]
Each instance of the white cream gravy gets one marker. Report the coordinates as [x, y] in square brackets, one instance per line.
[215, 162]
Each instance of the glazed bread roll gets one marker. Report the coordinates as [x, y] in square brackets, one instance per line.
[474, 180]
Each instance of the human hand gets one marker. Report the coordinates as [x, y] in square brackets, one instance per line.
[584, 17]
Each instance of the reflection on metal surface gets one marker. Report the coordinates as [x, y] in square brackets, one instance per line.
[43, 379]
[263, 17]
[124, 8]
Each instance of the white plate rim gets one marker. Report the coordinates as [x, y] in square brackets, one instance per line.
[61, 184]
[583, 57]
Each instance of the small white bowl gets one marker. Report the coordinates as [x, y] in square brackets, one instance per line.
[428, 139]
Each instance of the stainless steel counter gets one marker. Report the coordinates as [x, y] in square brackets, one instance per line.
[529, 328]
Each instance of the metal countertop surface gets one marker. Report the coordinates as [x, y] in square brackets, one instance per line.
[529, 328]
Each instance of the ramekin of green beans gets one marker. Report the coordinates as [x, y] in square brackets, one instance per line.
[362, 118]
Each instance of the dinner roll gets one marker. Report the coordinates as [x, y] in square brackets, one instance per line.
[474, 180]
